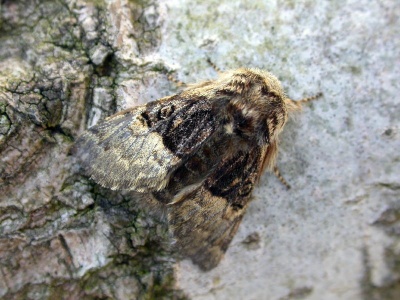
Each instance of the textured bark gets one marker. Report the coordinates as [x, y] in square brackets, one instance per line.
[64, 65]
[61, 236]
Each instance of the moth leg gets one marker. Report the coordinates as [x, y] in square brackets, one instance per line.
[219, 71]
[176, 81]
[280, 177]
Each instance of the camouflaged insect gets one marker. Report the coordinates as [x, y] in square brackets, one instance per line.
[199, 153]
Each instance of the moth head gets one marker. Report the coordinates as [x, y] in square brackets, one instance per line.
[256, 110]
[257, 104]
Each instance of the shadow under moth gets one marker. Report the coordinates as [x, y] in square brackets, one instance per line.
[199, 153]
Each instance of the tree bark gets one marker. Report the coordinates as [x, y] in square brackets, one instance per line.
[65, 65]
[61, 235]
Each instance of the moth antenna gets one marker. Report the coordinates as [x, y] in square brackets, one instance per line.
[296, 105]
[280, 177]
[308, 99]
[176, 81]
[219, 71]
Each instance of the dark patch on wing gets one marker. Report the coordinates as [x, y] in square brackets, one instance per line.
[189, 127]
[146, 119]
[205, 220]
[234, 178]
[197, 167]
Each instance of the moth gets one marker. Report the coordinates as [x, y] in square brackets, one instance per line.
[199, 153]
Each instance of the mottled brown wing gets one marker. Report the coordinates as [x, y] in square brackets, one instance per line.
[137, 149]
[203, 219]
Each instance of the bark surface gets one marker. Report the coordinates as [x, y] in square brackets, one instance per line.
[62, 236]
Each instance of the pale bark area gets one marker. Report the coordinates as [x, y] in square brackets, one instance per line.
[61, 236]
[335, 234]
